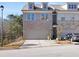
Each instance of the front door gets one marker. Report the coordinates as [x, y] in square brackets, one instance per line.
[54, 32]
[54, 23]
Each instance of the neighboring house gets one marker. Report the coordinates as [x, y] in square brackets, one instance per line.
[41, 20]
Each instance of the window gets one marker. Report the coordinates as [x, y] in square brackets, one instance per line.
[72, 6]
[54, 17]
[75, 6]
[62, 18]
[30, 16]
[31, 5]
[45, 4]
[44, 16]
[73, 18]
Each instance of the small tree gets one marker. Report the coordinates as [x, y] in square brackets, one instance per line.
[15, 26]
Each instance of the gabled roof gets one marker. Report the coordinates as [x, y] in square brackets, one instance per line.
[36, 7]
[57, 7]
[49, 6]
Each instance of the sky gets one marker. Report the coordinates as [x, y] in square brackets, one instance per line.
[14, 7]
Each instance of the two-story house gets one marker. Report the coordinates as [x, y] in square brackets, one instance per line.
[42, 20]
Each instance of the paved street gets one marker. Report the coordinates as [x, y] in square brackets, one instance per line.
[32, 49]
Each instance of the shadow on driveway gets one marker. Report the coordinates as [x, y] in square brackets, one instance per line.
[24, 46]
[30, 45]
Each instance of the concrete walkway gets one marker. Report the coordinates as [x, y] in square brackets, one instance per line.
[34, 44]
[39, 43]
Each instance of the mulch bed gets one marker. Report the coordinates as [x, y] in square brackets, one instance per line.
[63, 42]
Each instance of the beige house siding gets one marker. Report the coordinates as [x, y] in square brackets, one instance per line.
[70, 24]
[38, 29]
[67, 21]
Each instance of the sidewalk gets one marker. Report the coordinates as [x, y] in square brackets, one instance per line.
[33, 44]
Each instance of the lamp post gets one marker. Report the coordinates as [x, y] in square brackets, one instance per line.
[2, 8]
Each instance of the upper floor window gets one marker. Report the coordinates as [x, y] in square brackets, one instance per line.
[72, 6]
[45, 6]
[31, 5]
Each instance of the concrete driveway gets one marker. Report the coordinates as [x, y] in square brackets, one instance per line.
[31, 49]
